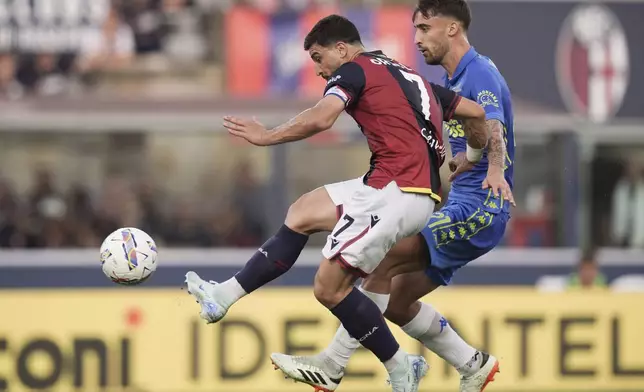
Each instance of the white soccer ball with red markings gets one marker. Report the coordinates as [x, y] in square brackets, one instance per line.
[129, 256]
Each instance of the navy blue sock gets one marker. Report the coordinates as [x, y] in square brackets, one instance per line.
[361, 317]
[273, 259]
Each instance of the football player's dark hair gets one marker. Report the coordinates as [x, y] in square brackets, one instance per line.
[457, 9]
[330, 30]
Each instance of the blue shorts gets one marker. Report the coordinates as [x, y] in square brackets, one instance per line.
[459, 233]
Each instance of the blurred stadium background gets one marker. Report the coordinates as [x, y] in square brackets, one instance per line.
[110, 116]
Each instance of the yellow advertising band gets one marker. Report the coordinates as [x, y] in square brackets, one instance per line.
[152, 340]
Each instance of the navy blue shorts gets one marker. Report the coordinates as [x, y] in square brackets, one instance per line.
[459, 233]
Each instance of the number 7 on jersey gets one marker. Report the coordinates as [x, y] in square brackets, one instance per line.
[424, 94]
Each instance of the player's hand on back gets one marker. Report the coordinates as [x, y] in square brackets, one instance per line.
[251, 130]
[495, 180]
[458, 165]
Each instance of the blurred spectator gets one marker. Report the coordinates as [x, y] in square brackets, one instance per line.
[45, 217]
[8, 210]
[9, 87]
[627, 226]
[185, 41]
[110, 47]
[109, 35]
[587, 275]
[186, 230]
[249, 198]
[148, 23]
[228, 228]
[43, 74]
[45, 200]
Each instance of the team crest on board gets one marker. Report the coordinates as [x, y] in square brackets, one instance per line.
[592, 62]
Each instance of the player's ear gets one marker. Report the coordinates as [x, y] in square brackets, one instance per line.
[453, 28]
[342, 49]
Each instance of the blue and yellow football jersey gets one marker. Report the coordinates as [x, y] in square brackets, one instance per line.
[473, 221]
[477, 78]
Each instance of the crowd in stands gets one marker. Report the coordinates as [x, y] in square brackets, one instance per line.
[70, 50]
[46, 217]
[63, 51]
[50, 53]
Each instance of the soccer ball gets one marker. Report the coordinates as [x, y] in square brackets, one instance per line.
[128, 256]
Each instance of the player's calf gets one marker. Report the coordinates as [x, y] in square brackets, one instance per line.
[363, 320]
[435, 332]
[276, 256]
[406, 290]
[312, 212]
[477, 369]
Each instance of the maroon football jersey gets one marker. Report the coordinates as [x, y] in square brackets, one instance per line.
[401, 114]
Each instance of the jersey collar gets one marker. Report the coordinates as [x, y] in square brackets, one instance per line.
[465, 60]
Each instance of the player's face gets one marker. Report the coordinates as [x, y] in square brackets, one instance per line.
[327, 59]
[432, 37]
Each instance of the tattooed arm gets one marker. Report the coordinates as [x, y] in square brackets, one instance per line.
[496, 162]
[496, 144]
[477, 132]
[472, 117]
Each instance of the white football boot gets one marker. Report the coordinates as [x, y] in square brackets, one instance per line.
[479, 380]
[206, 295]
[316, 371]
[325, 377]
[407, 375]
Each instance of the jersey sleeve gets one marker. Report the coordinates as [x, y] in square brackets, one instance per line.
[486, 88]
[448, 99]
[347, 83]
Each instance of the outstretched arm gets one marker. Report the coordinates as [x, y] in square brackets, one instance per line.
[306, 124]
[342, 90]
[317, 119]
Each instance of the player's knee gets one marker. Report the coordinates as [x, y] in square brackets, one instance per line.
[297, 218]
[308, 214]
[326, 295]
[330, 288]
